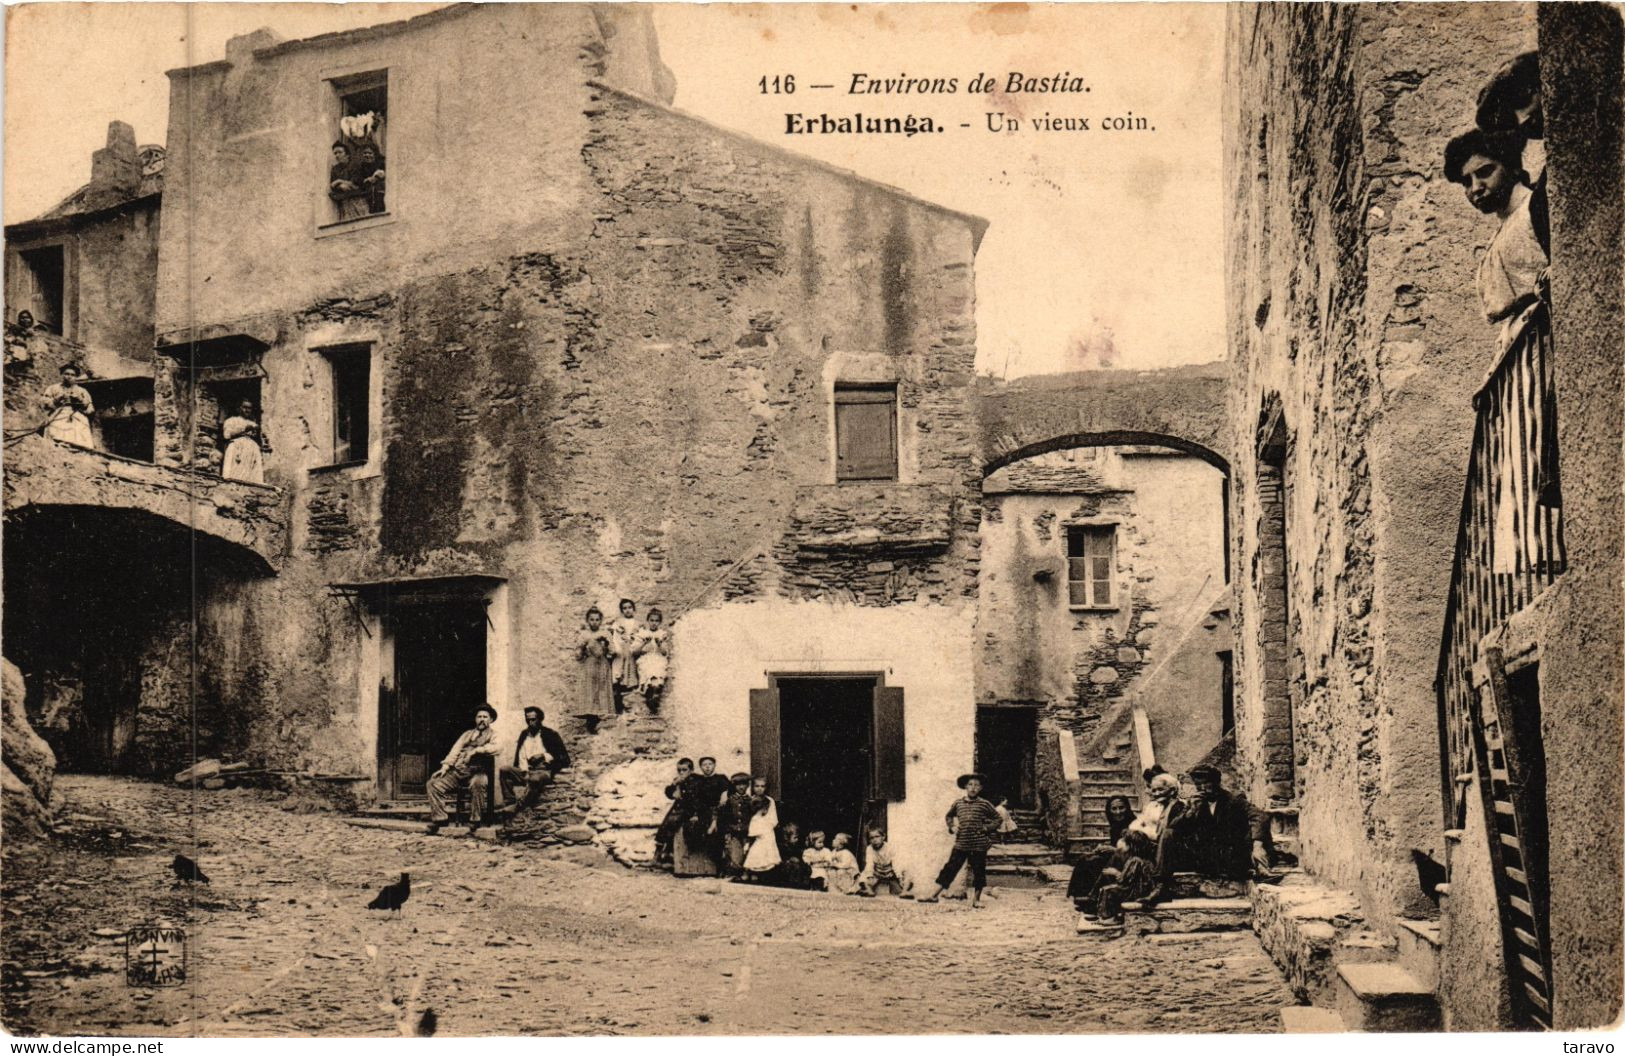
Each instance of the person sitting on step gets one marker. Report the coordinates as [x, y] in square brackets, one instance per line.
[1220, 834]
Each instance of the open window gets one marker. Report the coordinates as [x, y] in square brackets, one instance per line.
[43, 286]
[1090, 561]
[356, 171]
[124, 417]
[865, 432]
[350, 368]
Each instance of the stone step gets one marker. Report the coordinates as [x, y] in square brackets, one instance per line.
[1307, 1019]
[1419, 944]
[1103, 773]
[1181, 915]
[1384, 998]
[392, 824]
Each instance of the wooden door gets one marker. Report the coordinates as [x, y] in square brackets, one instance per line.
[439, 681]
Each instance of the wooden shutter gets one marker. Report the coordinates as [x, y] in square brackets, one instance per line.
[764, 737]
[889, 756]
[866, 434]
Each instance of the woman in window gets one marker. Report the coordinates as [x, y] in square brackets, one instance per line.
[68, 409]
[242, 436]
[369, 174]
[350, 198]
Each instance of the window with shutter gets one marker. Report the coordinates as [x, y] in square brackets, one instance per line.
[866, 432]
[1090, 563]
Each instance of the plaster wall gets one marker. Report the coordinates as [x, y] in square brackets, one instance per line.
[725, 652]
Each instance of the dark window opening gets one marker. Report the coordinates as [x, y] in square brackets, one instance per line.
[865, 432]
[45, 271]
[124, 416]
[351, 368]
[1090, 562]
[1006, 752]
[1227, 693]
[357, 162]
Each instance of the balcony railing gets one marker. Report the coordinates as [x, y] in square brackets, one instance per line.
[1509, 546]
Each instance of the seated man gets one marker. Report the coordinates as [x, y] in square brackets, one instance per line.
[1220, 834]
[473, 750]
[539, 755]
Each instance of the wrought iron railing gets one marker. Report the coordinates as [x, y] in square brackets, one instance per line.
[1509, 545]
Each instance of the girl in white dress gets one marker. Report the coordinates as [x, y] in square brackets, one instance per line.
[242, 436]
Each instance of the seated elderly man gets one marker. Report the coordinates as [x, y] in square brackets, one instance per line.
[1219, 834]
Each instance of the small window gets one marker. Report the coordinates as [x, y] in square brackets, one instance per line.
[124, 417]
[356, 154]
[866, 432]
[351, 368]
[45, 275]
[1090, 558]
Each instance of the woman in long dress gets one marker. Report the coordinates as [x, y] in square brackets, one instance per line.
[349, 197]
[762, 855]
[242, 436]
[594, 699]
[652, 652]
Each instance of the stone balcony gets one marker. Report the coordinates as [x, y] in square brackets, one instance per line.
[41, 473]
[880, 516]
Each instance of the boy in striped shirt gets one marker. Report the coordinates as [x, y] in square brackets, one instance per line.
[975, 823]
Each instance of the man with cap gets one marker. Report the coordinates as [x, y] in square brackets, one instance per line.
[475, 748]
[1219, 834]
[539, 754]
[734, 821]
[975, 824]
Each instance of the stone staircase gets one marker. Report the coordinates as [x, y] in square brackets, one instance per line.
[1348, 977]
[1095, 786]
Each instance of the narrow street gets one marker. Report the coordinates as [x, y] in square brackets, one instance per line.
[498, 940]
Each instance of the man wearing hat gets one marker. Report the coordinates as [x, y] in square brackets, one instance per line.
[1220, 834]
[734, 821]
[975, 823]
[474, 748]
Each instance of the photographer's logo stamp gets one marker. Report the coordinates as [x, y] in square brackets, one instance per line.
[155, 955]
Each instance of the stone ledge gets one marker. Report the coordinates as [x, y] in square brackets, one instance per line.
[1299, 924]
[1384, 997]
[1307, 1019]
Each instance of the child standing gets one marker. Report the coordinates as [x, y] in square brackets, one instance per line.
[1007, 824]
[974, 822]
[841, 874]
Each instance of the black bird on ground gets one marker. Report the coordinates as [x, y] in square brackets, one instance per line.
[394, 895]
[428, 1023]
[1429, 873]
[187, 870]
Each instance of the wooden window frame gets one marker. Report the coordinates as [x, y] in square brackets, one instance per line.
[341, 360]
[1092, 579]
[867, 394]
[337, 87]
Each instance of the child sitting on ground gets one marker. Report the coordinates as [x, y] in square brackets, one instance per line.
[817, 857]
[880, 871]
[841, 874]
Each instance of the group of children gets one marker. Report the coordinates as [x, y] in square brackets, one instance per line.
[619, 658]
[836, 868]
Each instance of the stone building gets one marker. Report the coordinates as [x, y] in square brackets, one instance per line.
[1102, 596]
[1364, 378]
[579, 346]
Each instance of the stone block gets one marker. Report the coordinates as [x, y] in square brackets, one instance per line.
[1385, 998]
[1307, 1019]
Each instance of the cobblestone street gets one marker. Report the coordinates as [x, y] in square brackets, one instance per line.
[498, 940]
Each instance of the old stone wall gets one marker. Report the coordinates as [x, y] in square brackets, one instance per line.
[1353, 316]
[1168, 510]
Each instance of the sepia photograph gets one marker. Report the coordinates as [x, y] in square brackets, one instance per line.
[736, 520]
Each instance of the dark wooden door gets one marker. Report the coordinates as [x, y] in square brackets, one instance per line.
[439, 681]
[1006, 743]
